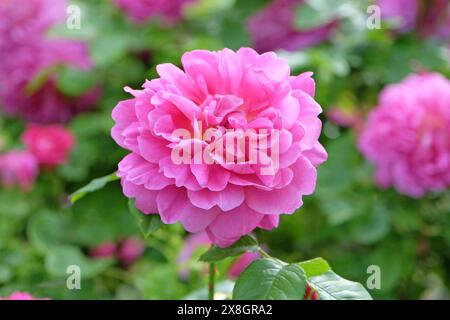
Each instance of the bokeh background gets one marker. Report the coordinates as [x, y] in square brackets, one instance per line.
[51, 72]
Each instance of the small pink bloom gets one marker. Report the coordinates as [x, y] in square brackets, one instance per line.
[26, 53]
[242, 263]
[407, 136]
[18, 168]
[345, 117]
[201, 240]
[310, 293]
[273, 28]
[404, 12]
[49, 144]
[130, 250]
[104, 250]
[22, 296]
[428, 18]
[227, 92]
[142, 10]
[191, 244]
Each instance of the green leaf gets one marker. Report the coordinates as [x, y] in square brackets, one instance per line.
[308, 17]
[39, 80]
[59, 258]
[47, 229]
[330, 286]
[74, 82]
[315, 267]
[244, 244]
[270, 279]
[147, 223]
[93, 186]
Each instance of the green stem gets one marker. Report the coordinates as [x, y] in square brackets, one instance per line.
[211, 284]
[263, 253]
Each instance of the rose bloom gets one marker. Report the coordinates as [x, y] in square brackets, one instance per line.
[104, 250]
[273, 28]
[130, 250]
[227, 91]
[49, 144]
[407, 136]
[242, 263]
[22, 296]
[142, 10]
[429, 18]
[26, 53]
[18, 168]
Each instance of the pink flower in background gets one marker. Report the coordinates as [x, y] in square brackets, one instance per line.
[273, 28]
[228, 91]
[407, 136]
[18, 168]
[104, 250]
[242, 263]
[345, 117]
[22, 296]
[142, 10]
[25, 53]
[429, 18]
[130, 250]
[403, 11]
[198, 240]
[49, 144]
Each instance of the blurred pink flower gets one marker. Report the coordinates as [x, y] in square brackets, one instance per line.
[49, 144]
[22, 296]
[273, 28]
[18, 168]
[229, 92]
[310, 293]
[142, 10]
[404, 11]
[130, 250]
[104, 250]
[429, 18]
[201, 239]
[407, 136]
[25, 53]
[242, 263]
[345, 117]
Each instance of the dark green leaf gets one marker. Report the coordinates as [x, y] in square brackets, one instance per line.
[244, 244]
[148, 223]
[270, 279]
[330, 286]
[93, 186]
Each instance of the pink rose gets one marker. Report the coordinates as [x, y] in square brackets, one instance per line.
[22, 296]
[407, 136]
[130, 250]
[242, 263]
[429, 18]
[142, 10]
[18, 168]
[49, 144]
[26, 53]
[273, 28]
[104, 250]
[403, 11]
[232, 95]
